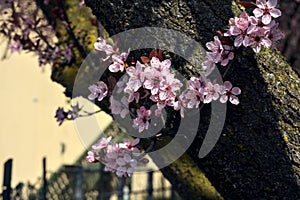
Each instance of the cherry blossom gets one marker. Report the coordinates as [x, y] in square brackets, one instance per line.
[274, 34]
[212, 92]
[118, 64]
[16, 46]
[60, 115]
[142, 120]
[101, 46]
[241, 27]
[130, 144]
[136, 76]
[74, 112]
[119, 107]
[82, 3]
[208, 66]
[155, 81]
[102, 143]
[266, 10]
[67, 53]
[180, 104]
[132, 95]
[218, 53]
[122, 84]
[91, 158]
[227, 55]
[216, 49]
[98, 91]
[126, 165]
[196, 92]
[259, 39]
[120, 158]
[229, 92]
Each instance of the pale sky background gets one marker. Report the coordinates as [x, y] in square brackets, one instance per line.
[28, 129]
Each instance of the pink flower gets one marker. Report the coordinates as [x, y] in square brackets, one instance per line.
[154, 80]
[169, 87]
[129, 144]
[101, 46]
[132, 95]
[227, 55]
[120, 158]
[180, 104]
[136, 76]
[195, 93]
[98, 91]
[91, 157]
[67, 54]
[119, 108]
[122, 84]
[142, 120]
[227, 91]
[216, 49]
[118, 60]
[126, 165]
[258, 39]
[240, 28]
[81, 3]
[208, 66]
[212, 92]
[266, 10]
[162, 67]
[274, 34]
[16, 46]
[102, 143]
[219, 52]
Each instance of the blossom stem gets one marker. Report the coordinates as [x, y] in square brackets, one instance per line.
[87, 114]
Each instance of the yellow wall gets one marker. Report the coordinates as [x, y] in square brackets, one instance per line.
[28, 130]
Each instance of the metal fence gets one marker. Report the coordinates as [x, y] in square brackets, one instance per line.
[77, 182]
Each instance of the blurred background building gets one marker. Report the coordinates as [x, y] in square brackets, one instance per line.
[29, 133]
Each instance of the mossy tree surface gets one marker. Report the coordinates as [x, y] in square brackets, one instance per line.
[258, 154]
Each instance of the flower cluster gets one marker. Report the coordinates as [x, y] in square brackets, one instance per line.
[142, 120]
[62, 115]
[254, 31]
[203, 90]
[155, 81]
[112, 53]
[120, 158]
[27, 29]
[98, 91]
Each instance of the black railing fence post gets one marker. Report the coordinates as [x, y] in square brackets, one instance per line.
[150, 185]
[78, 193]
[173, 195]
[120, 185]
[7, 180]
[44, 191]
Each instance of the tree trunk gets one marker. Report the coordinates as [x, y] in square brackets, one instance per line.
[258, 153]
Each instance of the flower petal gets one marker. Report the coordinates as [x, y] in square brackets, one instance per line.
[227, 85]
[258, 12]
[236, 91]
[238, 41]
[234, 100]
[224, 99]
[266, 19]
[275, 12]
[271, 3]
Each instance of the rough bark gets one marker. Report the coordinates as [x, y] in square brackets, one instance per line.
[258, 154]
